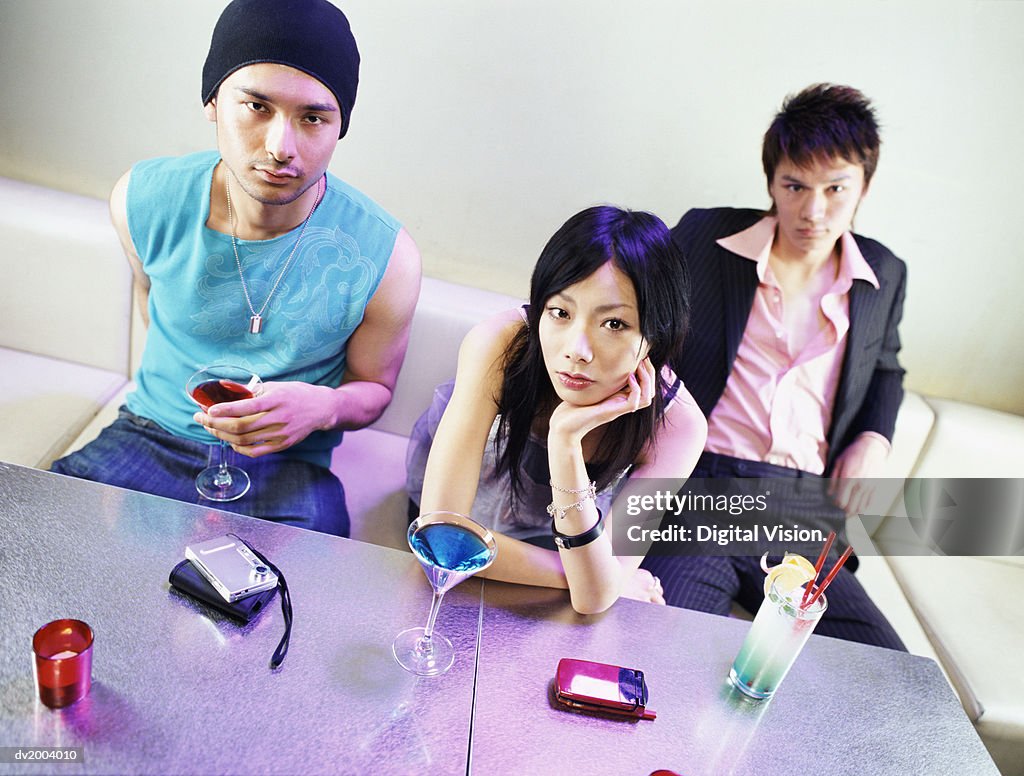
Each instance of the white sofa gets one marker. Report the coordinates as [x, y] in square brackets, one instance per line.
[69, 339]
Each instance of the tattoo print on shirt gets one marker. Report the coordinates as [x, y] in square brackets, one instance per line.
[316, 307]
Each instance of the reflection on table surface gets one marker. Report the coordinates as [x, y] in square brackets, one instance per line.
[843, 708]
[178, 688]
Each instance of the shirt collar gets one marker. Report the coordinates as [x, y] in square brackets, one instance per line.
[755, 243]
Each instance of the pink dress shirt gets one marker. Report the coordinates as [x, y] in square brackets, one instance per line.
[777, 404]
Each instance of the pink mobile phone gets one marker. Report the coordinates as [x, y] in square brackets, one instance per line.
[601, 687]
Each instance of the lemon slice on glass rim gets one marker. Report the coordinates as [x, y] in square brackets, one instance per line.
[793, 572]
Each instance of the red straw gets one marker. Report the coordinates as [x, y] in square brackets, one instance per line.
[818, 565]
[831, 575]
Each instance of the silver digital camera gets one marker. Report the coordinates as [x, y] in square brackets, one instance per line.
[231, 567]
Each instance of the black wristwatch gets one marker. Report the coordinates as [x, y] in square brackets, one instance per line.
[564, 542]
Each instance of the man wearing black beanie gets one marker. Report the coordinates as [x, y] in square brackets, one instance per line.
[255, 255]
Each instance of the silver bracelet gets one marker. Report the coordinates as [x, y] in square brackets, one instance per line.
[590, 490]
[559, 512]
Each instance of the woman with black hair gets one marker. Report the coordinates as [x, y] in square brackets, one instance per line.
[555, 406]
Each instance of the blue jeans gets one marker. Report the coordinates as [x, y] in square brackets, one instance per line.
[135, 453]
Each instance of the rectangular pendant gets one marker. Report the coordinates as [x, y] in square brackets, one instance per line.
[256, 324]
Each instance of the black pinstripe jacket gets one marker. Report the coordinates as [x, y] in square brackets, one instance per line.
[723, 284]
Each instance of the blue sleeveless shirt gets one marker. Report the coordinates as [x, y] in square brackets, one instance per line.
[198, 315]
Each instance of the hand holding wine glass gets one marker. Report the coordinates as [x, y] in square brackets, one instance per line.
[280, 417]
[451, 548]
[215, 385]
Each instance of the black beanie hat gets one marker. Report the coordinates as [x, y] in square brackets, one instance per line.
[310, 35]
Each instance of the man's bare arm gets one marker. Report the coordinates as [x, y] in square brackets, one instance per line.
[376, 349]
[119, 217]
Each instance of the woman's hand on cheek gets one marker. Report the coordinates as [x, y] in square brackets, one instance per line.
[573, 422]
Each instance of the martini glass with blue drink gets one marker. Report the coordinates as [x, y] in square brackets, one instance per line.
[450, 547]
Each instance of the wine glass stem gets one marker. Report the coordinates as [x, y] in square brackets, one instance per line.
[425, 644]
[223, 475]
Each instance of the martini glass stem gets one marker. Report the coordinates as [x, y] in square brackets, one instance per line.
[223, 478]
[425, 644]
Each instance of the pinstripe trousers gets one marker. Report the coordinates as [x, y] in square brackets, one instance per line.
[712, 583]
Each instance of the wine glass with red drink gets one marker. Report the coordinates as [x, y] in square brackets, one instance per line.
[216, 385]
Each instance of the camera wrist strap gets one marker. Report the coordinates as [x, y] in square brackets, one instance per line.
[286, 609]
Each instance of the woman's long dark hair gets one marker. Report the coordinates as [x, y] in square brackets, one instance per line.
[638, 244]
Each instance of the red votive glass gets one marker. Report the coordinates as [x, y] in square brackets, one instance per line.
[62, 662]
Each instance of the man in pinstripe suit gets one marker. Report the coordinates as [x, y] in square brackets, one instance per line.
[792, 353]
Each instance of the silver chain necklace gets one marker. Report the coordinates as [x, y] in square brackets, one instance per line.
[256, 320]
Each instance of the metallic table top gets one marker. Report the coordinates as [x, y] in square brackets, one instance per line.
[178, 688]
[844, 708]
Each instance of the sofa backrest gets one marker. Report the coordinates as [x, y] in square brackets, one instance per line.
[66, 288]
[444, 314]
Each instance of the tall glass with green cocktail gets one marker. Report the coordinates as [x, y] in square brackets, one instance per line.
[794, 602]
[778, 633]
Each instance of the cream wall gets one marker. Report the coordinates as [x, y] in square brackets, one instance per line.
[484, 124]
